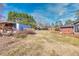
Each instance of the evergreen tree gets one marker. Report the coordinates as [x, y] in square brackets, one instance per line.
[21, 18]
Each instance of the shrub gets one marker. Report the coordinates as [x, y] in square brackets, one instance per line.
[57, 29]
[21, 34]
[29, 31]
[24, 33]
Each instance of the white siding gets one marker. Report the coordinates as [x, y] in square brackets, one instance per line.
[17, 26]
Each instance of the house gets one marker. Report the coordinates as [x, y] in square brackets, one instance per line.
[12, 26]
[76, 27]
[67, 29]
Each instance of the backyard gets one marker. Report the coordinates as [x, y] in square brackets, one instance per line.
[44, 43]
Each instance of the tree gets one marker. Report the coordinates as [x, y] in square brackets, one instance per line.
[69, 22]
[52, 25]
[77, 15]
[57, 25]
[12, 16]
[21, 18]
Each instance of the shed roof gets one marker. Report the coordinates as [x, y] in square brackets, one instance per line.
[76, 22]
[67, 26]
[6, 22]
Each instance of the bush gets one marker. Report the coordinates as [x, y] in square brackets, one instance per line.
[21, 34]
[29, 31]
[57, 29]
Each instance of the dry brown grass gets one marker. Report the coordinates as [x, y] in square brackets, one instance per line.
[41, 44]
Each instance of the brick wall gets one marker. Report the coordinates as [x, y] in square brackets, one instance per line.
[66, 30]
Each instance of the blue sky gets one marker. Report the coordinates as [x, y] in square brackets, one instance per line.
[43, 12]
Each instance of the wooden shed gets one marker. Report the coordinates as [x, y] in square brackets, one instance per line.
[66, 29]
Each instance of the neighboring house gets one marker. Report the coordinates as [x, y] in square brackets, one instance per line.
[67, 29]
[7, 25]
[72, 29]
[21, 26]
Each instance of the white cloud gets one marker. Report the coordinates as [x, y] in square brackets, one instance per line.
[60, 11]
[2, 6]
[76, 5]
[40, 19]
[43, 14]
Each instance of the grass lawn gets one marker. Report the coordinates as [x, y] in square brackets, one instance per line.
[43, 43]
